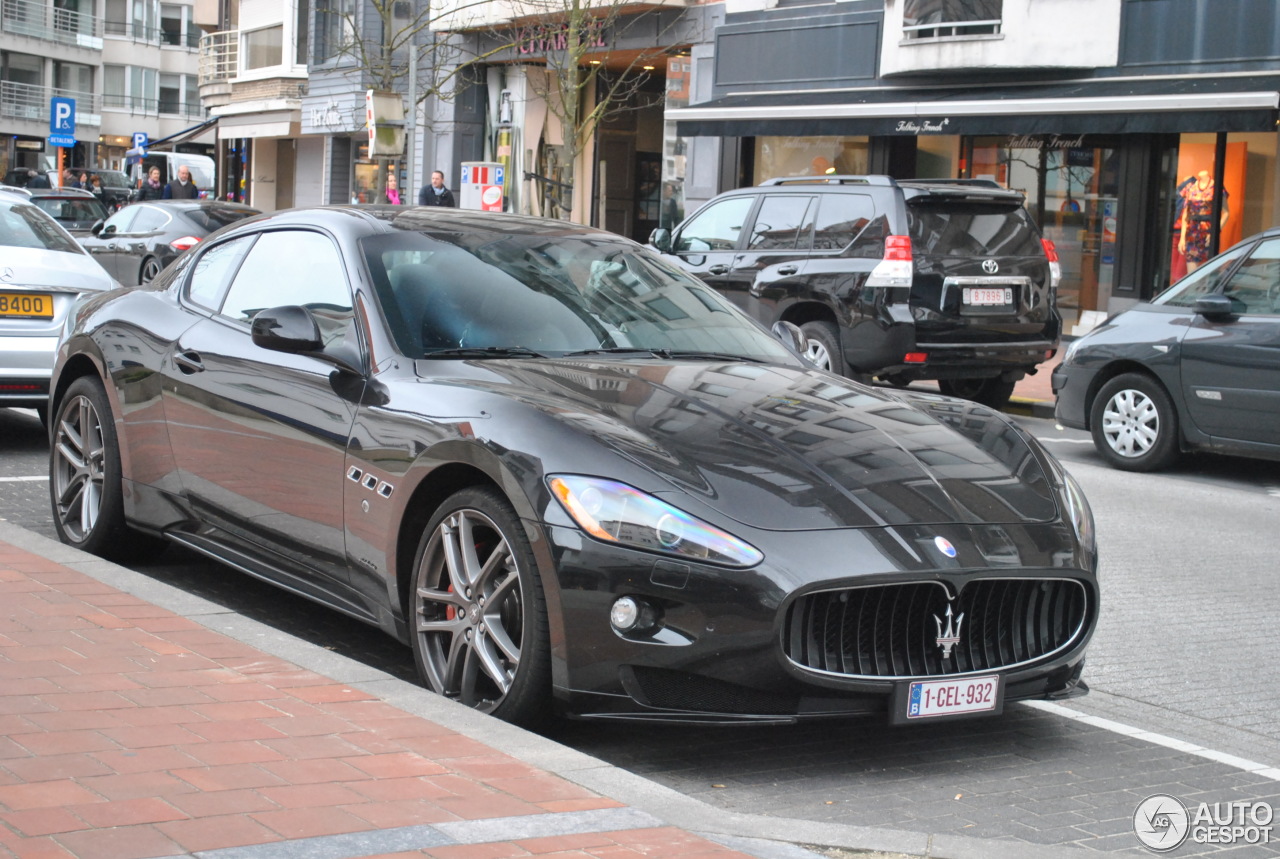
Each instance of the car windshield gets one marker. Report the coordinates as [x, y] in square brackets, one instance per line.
[1205, 280]
[551, 294]
[71, 208]
[24, 226]
[113, 179]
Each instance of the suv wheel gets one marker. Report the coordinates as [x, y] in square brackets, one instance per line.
[990, 392]
[824, 346]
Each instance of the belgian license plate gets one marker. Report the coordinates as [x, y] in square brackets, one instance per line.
[23, 304]
[988, 296]
[926, 699]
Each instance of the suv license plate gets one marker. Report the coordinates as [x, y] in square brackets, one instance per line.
[987, 296]
[929, 698]
[21, 304]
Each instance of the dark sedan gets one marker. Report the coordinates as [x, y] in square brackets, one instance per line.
[135, 243]
[570, 476]
[1197, 368]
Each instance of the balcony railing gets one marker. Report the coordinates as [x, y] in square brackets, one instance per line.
[24, 101]
[154, 35]
[139, 106]
[219, 56]
[41, 21]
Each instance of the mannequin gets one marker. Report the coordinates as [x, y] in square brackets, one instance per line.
[1197, 213]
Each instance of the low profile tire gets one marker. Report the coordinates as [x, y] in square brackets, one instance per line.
[824, 346]
[150, 270]
[1134, 424]
[85, 483]
[479, 615]
[989, 392]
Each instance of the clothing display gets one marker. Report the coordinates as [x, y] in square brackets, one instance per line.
[1197, 217]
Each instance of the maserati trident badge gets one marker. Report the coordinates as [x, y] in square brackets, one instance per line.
[949, 637]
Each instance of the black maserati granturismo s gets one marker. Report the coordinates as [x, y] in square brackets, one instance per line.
[572, 477]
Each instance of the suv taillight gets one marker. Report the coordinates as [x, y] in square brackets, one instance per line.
[895, 269]
[1055, 267]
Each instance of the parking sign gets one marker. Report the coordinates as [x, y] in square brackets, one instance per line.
[62, 121]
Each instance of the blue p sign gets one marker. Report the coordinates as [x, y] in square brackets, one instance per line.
[140, 140]
[62, 115]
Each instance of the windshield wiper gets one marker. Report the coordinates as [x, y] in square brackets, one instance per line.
[614, 350]
[678, 354]
[485, 352]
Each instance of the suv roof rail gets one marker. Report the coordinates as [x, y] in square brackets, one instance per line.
[831, 179]
[980, 183]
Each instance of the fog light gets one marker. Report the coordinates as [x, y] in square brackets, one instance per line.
[630, 614]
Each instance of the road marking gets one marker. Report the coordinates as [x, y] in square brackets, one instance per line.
[1245, 764]
[22, 479]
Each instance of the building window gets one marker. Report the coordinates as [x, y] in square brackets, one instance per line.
[24, 69]
[131, 88]
[175, 26]
[335, 28]
[264, 48]
[73, 77]
[941, 19]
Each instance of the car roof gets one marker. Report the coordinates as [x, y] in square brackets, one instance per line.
[431, 219]
[48, 192]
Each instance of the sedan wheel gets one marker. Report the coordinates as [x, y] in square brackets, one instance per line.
[480, 628]
[84, 477]
[150, 270]
[1134, 424]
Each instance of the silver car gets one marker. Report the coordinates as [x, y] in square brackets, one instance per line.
[42, 273]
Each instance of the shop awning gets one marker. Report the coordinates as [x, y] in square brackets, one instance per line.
[1094, 106]
[186, 134]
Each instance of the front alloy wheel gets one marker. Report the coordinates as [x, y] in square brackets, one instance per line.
[480, 633]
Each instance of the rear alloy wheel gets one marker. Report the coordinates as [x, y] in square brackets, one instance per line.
[85, 480]
[479, 615]
[1134, 424]
[824, 346]
[150, 270]
[989, 392]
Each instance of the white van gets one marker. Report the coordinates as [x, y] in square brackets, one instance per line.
[201, 167]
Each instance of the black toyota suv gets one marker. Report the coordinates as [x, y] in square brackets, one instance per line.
[902, 280]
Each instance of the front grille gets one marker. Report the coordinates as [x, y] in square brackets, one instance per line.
[886, 631]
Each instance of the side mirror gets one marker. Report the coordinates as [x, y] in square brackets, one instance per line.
[97, 226]
[661, 239]
[289, 329]
[1214, 306]
[791, 336]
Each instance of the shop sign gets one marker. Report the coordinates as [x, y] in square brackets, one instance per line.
[328, 117]
[1055, 141]
[924, 126]
[549, 38]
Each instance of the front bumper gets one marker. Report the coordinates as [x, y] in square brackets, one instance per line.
[716, 652]
[1071, 387]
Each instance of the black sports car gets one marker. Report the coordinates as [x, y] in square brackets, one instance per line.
[570, 475]
[135, 243]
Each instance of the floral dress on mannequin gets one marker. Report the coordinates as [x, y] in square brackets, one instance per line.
[1197, 217]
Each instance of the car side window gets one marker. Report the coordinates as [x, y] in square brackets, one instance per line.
[1203, 281]
[1254, 288]
[715, 228]
[293, 267]
[781, 224]
[149, 218]
[841, 217]
[121, 219]
[213, 271]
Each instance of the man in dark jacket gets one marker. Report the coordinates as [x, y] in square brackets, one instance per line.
[182, 188]
[37, 180]
[436, 194]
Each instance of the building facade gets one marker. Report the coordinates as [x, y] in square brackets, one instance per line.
[1142, 132]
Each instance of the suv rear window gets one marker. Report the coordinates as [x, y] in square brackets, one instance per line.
[965, 228]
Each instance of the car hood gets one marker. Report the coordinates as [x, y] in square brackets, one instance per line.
[46, 269]
[784, 448]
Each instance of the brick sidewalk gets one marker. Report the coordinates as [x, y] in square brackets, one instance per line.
[127, 731]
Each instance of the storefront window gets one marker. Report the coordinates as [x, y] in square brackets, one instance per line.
[674, 147]
[1248, 196]
[364, 185]
[809, 156]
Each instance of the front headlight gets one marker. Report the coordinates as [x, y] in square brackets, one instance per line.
[1078, 511]
[617, 513]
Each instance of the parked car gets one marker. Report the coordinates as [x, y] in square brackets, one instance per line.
[938, 279]
[117, 190]
[566, 472]
[42, 271]
[1196, 368]
[138, 241]
[75, 210]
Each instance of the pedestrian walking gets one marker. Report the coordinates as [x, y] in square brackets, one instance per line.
[151, 189]
[436, 194]
[393, 190]
[182, 188]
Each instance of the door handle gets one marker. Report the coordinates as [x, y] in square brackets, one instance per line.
[718, 268]
[788, 269]
[188, 362]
